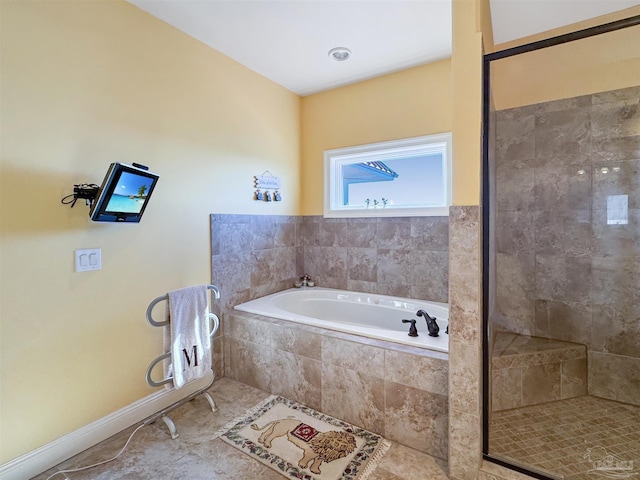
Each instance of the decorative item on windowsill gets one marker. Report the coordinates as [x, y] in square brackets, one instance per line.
[382, 203]
[267, 181]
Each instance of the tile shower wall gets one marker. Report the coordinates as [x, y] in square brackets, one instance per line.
[567, 261]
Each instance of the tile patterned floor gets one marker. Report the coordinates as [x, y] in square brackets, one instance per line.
[555, 437]
[153, 455]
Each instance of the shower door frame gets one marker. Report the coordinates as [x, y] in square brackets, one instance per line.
[486, 111]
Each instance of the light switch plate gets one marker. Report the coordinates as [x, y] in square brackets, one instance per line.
[88, 259]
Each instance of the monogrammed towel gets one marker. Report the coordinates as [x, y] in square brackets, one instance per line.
[187, 337]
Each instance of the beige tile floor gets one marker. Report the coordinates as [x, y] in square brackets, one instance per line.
[153, 455]
[555, 437]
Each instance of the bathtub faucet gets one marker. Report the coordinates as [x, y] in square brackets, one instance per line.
[431, 323]
[304, 281]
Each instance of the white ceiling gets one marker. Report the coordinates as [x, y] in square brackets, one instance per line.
[288, 41]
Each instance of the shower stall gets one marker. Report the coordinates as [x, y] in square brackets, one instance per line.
[562, 255]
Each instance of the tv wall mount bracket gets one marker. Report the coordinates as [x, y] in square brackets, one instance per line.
[84, 191]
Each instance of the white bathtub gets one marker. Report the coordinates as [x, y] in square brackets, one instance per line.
[369, 315]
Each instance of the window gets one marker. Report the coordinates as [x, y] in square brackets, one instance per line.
[409, 177]
[617, 210]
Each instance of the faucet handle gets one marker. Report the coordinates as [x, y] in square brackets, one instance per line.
[413, 331]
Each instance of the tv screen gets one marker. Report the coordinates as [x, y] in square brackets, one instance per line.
[124, 194]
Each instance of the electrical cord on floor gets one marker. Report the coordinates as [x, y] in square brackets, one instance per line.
[100, 463]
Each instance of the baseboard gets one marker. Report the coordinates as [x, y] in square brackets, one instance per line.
[37, 461]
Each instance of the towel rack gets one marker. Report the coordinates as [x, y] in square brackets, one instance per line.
[203, 391]
[155, 301]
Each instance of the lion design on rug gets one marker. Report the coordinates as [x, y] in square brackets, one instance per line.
[317, 446]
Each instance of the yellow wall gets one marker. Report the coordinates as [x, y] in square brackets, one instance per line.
[406, 104]
[483, 9]
[466, 66]
[605, 62]
[85, 84]
[574, 27]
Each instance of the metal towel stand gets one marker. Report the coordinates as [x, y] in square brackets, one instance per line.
[203, 391]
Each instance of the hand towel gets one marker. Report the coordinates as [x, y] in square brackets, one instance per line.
[187, 336]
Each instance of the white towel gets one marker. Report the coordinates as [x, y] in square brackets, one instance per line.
[187, 337]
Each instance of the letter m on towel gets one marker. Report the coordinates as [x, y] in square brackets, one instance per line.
[189, 340]
[188, 358]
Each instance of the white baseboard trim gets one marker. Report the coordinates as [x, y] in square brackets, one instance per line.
[37, 461]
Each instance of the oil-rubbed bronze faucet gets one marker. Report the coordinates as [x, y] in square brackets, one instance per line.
[304, 281]
[431, 323]
[413, 331]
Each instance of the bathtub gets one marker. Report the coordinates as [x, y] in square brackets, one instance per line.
[374, 316]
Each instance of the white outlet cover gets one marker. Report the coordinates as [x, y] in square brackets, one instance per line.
[88, 259]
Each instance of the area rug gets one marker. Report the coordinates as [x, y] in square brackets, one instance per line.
[299, 442]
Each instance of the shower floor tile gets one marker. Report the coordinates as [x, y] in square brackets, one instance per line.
[153, 455]
[570, 437]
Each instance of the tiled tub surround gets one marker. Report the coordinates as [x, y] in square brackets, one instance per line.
[533, 370]
[397, 391]
[465, 320]
[255, 255]
[402, 257]
[563, 272]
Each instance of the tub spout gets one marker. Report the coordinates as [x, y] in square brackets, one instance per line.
[413, 331]
[431, 323]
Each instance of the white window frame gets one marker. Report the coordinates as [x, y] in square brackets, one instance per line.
[424, 145]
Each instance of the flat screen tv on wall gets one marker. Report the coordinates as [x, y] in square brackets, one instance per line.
[124, 194]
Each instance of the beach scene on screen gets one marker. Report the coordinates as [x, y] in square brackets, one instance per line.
[130, 194]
